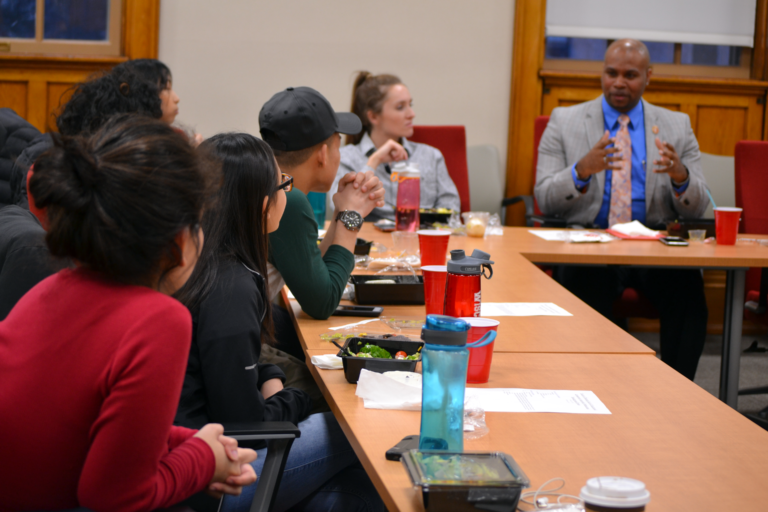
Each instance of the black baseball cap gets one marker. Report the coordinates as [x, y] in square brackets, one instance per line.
[300, 117]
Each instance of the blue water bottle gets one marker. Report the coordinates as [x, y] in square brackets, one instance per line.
[317, 200]
[444, 370]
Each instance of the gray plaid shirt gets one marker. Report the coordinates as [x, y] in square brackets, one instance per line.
[436, 187]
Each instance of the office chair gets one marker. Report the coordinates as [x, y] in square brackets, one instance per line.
[279, 436]
[751, 184]
[452, 143]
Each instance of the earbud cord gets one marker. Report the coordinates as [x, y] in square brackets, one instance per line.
[550, 492]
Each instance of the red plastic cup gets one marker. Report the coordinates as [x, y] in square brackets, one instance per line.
[433, 244]
[479, 367]
[727, 225]
[435, 277]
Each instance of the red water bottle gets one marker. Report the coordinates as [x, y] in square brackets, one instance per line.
[462, 288]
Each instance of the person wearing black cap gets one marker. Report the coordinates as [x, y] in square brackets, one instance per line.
[303, 130]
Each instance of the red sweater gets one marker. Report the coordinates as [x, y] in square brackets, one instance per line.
[90, 378]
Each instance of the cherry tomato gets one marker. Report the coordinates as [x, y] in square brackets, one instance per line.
[400, 355]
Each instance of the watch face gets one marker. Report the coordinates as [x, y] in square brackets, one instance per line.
[351, 219]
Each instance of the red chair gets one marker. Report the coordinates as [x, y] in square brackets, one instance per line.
[533, 215]
[452, 143]
[751, 183]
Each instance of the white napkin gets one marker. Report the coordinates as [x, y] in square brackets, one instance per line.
[381, 391]
[328, 362]
[634, 228]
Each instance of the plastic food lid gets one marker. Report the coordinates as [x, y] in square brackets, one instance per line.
[616, 492]
[494, 469]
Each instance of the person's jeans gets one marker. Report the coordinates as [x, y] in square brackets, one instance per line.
[322, 474]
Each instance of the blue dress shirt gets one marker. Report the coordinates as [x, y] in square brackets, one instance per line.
[636, 129]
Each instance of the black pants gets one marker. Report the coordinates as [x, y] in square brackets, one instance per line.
[677, 294]
[285, 333]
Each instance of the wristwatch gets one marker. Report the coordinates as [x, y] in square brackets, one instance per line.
[352, 220]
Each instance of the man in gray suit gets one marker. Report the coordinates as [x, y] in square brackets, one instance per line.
[577, 167]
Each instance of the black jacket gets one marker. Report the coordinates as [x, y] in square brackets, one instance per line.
[224, 377]
[15, 136]
[37, 147]
[24, 257]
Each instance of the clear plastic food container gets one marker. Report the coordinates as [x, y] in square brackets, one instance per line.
[466, 481]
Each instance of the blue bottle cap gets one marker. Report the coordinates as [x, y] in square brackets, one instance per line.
[445, 330]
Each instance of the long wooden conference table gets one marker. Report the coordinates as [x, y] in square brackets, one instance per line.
[691, 450]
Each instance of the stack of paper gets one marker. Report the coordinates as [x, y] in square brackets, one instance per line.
[521, 309]
[634, 228]
[380, 391]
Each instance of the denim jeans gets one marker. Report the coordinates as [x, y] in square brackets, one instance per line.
[322, 474]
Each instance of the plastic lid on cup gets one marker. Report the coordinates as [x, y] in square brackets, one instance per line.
[615, 492]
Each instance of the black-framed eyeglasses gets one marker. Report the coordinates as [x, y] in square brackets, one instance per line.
[287, 183]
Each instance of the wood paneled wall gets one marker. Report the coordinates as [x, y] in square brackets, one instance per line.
[35, 86]
[722, 112]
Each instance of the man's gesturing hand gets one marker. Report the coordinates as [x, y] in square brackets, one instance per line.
[599, 158]
[669, 162]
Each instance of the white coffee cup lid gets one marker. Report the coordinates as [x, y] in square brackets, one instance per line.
[476, 321]
[616, 492]
[434, 232]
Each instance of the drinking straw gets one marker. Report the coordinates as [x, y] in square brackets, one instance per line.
[710, 198]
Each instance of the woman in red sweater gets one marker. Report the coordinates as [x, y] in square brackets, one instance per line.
[92, 358]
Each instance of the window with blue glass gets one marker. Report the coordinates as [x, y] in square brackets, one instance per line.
[17, 18]
[61, 26]
[82, 20]
[710, 55]
[575, 48]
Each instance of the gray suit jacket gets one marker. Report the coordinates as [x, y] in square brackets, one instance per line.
[573, 131]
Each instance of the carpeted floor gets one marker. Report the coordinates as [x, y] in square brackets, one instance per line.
[753, 371]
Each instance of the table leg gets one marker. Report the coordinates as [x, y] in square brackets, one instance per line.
[732, 322]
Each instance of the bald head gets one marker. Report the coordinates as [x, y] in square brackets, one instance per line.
[630, 46]
[626, 72]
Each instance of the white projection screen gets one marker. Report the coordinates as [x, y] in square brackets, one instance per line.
[715, 22]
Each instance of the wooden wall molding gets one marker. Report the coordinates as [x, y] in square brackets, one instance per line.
[661, 83]
[525, 100]
[759, 53]
[141, 28]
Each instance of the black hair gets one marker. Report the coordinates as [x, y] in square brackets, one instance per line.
[118, 91]
[150, 70]
[236, 227]
[115, 201]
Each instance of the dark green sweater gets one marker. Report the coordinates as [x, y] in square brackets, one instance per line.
[316, 281]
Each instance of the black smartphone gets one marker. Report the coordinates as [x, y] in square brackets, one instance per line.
[673, 240]
[397, 451]
[373, 311]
